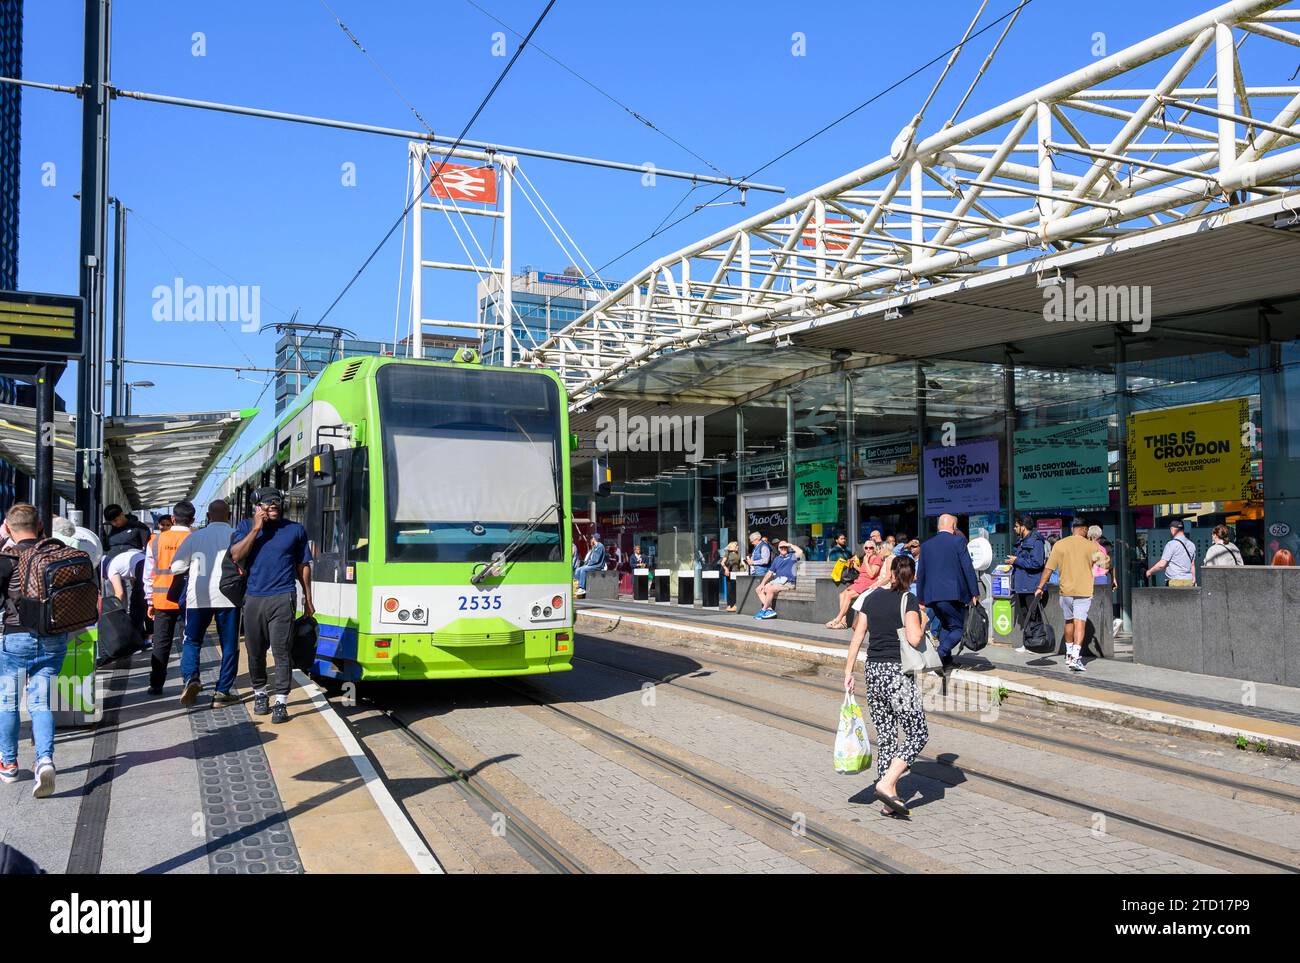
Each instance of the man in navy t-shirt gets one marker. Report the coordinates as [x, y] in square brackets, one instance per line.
[275, 554]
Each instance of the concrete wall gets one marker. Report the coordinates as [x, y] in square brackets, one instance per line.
[1243, 623]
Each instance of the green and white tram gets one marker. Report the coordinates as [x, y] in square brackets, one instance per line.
[435, 496]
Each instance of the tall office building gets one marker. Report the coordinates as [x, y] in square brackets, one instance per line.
[12, 482]
[542, 303]
[306, 352]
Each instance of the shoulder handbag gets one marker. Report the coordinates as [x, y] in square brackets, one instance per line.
[234, 580]
[913, 660]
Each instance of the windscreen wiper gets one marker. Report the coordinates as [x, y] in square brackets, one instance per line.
[504, 557]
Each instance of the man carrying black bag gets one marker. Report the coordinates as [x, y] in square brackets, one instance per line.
[275, 556]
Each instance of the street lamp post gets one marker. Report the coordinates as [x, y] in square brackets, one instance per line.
[130, 391]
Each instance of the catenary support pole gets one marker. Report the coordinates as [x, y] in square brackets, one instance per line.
[94, 209]
[1009, 429]
[789, 466]
[1127, 537]
[920, 447]
[119, 306]
[47, 375]
[850, 433]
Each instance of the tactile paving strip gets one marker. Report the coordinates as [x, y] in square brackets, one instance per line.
[247, 829]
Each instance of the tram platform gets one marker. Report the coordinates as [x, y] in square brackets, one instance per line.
[154, 787]
[1265, 716]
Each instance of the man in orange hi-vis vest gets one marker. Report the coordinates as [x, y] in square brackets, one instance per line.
[167, 615]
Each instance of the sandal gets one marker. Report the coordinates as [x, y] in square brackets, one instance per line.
[837, 624]
[896, 806]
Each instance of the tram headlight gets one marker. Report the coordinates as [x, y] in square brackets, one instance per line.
[403, 615]
[537, 611]
[547, 611]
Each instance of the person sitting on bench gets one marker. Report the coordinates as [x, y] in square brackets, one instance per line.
[780, 576]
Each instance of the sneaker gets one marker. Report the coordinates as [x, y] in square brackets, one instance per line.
[769, 613]
[1077, 665]
[1116, 626]
[581, 593]
[1021, 649]
[280, 713]
[760, 613]
[155, 690]
[44, 779]
[190, 694]
[261, 703]
[226, 698]
[8, 772]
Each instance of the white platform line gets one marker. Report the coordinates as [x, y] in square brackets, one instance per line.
[420, 856]
[973, 678]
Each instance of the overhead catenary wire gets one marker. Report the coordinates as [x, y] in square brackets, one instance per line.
[434, 174]
[152, 227]
[560, 224]
[634, 114]
[1015, 12]
[401, 263]
[988, 61]
[356, 42]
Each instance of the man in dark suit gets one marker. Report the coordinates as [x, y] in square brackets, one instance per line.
[946, 583]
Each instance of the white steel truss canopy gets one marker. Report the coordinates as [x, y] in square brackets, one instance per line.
[18, 443]
[163, 459]
[1080, 166]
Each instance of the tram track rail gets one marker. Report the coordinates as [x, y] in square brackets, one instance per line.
[1242, 784]
[830, 839]
[1075, 802]
[550, 853]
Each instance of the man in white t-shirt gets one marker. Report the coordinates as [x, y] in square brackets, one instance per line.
[119, 569]
[200, 557]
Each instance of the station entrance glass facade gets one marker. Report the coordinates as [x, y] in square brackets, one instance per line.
[1198, 421]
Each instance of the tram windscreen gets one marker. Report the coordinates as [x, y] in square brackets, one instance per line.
[472, 457]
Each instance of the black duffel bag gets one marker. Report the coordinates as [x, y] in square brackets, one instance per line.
[305, 633]
[975, 634]
[1036, 635]
[118, 636]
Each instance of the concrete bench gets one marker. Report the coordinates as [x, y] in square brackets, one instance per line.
[602, 586]
[814, 598]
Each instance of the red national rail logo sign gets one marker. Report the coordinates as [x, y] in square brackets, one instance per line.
[460, 182]
[835, 230]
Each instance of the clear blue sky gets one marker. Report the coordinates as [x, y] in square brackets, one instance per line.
[263, 203]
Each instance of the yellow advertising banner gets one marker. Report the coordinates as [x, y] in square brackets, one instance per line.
[1189, 454]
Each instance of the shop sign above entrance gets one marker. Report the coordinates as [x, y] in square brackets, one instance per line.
[896, 455]
[763, 469]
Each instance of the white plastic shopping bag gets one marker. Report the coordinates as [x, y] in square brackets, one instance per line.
[852, 748]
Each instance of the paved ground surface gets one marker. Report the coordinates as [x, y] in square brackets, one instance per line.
[997, 789]
[157, 788]
[1255, 700]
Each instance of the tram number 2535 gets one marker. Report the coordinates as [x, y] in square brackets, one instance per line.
[473, 603]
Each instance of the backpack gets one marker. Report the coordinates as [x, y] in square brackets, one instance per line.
[1036, 634]
[57, 589]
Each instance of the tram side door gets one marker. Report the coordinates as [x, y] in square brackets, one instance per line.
[338, 527]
